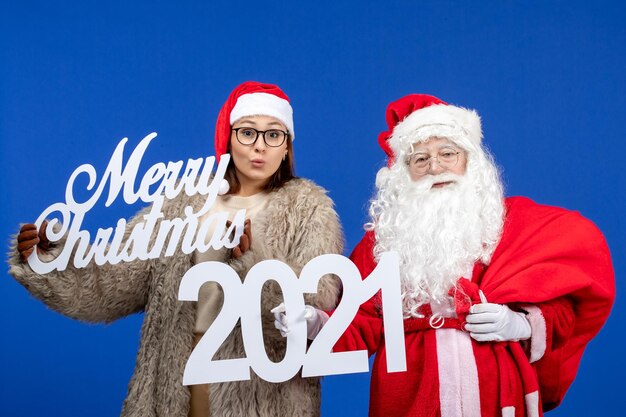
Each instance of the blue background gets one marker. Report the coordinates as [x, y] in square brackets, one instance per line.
[548, 79]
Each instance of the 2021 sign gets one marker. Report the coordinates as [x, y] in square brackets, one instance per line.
[243, 300]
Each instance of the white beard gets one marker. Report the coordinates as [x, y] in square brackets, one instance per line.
[439, 233]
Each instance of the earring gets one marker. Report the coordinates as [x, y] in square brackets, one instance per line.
[284, 156]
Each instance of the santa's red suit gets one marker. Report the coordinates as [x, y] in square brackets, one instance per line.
[551, 263]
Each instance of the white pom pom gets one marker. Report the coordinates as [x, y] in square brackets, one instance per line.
[224, 187]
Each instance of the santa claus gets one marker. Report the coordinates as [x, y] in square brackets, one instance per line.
[500, 296]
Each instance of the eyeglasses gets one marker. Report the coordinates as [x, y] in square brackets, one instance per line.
[446, 158]
[248, 135]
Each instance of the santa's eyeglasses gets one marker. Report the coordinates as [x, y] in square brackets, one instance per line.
[420, 162]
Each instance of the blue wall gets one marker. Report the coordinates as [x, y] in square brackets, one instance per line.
[548, 79]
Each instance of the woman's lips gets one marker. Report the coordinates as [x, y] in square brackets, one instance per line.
[257, 163]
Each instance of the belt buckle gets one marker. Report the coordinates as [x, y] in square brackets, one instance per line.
[436, 321]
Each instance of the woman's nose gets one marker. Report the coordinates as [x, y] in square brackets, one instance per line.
[260, 145]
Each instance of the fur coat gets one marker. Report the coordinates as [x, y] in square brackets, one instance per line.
[298, 224]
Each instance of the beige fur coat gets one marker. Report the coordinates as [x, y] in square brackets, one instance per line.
[298, 224]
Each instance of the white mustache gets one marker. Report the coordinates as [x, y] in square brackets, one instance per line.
[427, 182]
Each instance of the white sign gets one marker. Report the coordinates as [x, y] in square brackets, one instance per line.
[161, 181]
[242, 299]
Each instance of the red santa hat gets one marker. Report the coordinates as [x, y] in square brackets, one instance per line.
[418, 117]
[251, 99]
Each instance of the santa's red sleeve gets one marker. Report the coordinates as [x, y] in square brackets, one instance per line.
[559, 262]
[366, 330]
[552, 324]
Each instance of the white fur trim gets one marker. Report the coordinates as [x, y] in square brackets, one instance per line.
[532, 404]
[264, 104]
[437, 120]
[458, 376]
[538, 338]
[508, 411]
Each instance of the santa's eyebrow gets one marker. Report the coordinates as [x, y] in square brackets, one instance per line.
[450, 146]
[437, 149]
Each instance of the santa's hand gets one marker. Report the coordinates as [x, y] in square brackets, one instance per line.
[29, 237]
[488, 322]
[315, 320]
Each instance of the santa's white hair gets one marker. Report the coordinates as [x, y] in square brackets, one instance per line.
[439, 233]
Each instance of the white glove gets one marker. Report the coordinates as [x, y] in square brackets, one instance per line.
[489, 322]
[315, 320]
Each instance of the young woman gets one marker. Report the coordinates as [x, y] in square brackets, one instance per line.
[288, 218]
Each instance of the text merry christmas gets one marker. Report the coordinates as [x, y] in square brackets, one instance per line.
[161, 181]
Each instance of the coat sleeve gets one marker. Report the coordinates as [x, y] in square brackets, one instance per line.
[366, 330]
[95, 293]
[551, 323]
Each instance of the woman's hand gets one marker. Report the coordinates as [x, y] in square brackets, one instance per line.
[244, 242]
[29, 237]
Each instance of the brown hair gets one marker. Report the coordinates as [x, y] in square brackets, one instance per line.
[283, 174]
